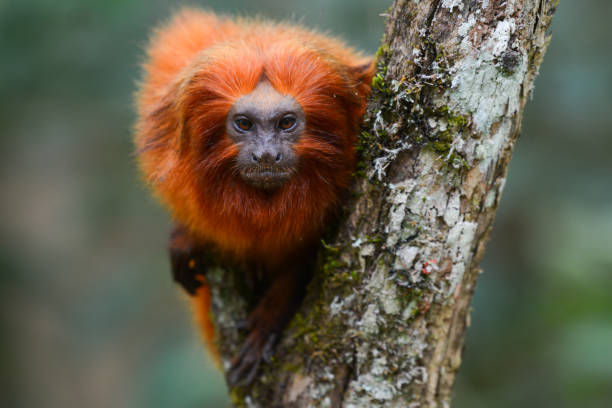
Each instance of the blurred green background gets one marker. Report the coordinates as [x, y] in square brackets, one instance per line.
[89, 317]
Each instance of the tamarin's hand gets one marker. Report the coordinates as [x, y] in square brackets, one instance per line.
[188, 261]
[246, 131]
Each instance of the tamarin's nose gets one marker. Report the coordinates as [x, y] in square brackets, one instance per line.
[266, 157]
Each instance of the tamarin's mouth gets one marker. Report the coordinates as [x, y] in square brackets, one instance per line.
[266, 177]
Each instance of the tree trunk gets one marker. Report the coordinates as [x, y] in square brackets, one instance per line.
[384, 319]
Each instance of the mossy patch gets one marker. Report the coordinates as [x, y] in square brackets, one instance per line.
[402, 111]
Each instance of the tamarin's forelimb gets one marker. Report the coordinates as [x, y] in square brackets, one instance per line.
[272, 313]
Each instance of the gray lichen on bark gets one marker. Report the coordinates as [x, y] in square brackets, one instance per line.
[384, 320]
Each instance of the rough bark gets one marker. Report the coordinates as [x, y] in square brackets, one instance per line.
[384, 320]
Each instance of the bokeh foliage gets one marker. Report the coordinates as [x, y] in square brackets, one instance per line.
[89, 316]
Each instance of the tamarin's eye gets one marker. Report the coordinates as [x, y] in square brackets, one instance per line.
[243, 124]
[287, 123]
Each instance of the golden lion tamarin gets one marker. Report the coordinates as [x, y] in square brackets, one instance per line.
[246, 131]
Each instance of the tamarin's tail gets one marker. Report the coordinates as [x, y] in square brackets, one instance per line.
[201, 309]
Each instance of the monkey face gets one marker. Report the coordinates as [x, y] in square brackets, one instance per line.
[265, 125]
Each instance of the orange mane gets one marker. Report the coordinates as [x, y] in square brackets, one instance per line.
[199, 66]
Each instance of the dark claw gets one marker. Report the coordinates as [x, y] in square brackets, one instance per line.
[246, 363]
[268, 349]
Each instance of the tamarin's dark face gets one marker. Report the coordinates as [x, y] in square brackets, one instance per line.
[265, 125]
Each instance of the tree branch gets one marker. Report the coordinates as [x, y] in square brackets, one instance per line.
[384, 320]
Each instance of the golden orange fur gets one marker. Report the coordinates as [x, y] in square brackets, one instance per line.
[198, 66]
